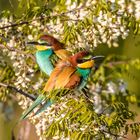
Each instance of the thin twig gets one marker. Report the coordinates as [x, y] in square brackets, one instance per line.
[32, 97]
[18, 51]
[13, 136]
[11, 4]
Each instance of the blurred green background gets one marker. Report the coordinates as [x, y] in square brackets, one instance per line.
[129, 47]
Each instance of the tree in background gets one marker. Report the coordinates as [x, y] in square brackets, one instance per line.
[102, 110]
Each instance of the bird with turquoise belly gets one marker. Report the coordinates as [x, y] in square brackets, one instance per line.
[46, 47]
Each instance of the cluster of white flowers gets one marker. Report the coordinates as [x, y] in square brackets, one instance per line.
[137, 10]
[5, 21]
[52, 114]
[24, 102]
[111, 88]
[106, 27]
[23, 72]
[43, 120]
[19, 65]
[21, 80]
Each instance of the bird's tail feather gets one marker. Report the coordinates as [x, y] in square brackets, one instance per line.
[38, 101]
[44, 106]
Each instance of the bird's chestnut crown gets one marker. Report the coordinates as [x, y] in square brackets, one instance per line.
[51, 41]
[47, 42]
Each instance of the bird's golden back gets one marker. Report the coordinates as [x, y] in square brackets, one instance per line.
[63, 54]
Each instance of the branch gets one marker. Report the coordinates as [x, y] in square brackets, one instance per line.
[86, 95]
[15, 24]
[105, 109]
[32, 97]
[132, 123]
[42, 18]
[114, 63]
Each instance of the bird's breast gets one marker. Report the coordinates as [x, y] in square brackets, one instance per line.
[83, 72]
[44, 62]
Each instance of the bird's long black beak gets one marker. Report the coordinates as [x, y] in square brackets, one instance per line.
[37, 43]
[97, 57]
[92, 58]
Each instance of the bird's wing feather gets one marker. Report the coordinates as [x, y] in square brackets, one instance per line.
[74, 80]
[64, 77]
[51, 83]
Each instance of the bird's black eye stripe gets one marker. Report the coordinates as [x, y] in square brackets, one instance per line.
[44, 44]
[82, 60]
[33, 43]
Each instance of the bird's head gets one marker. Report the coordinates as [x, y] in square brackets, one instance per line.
[47, 42]
[83, 60]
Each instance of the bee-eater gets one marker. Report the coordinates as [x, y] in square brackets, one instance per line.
[70, 74]
[47, 46]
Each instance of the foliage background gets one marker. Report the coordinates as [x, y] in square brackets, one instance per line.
[129, 47]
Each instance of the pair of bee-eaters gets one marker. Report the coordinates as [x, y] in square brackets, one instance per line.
[71, 71]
